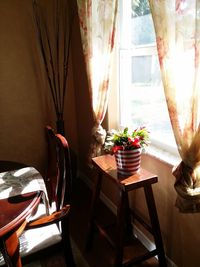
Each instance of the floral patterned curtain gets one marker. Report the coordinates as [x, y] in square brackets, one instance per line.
[177, 26]
[97, 24]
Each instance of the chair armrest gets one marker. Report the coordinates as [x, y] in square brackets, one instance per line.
[21, 228]
[50, 219]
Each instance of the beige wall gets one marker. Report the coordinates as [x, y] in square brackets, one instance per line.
[22, 113]
[25, 100]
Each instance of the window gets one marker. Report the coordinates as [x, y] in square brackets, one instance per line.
[141, 94]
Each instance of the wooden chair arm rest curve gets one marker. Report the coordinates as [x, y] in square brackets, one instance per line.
[21, 228]
[49, 219]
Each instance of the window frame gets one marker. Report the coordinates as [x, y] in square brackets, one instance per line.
[114, 109]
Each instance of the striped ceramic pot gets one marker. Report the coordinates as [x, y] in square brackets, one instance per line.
[128, 161]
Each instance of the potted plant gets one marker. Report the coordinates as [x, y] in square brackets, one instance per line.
[127, 147]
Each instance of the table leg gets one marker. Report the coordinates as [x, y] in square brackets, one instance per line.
[121, 205]
[155, 225]
[10, 250]
[128, 219]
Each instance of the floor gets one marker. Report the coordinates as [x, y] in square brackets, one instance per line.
[101, 254]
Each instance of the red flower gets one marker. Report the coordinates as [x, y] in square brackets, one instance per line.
[116, 148]
[135, 142]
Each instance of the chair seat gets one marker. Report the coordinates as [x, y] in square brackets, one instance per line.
[37, 239]
[34, 240]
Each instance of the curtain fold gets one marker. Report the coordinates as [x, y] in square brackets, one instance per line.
[97, 25]
[177, 27]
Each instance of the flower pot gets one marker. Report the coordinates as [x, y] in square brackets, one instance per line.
[128, 161]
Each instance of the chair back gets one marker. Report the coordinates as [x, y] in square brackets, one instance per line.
[59, 177]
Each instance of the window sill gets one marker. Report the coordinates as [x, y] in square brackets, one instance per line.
[167, 157]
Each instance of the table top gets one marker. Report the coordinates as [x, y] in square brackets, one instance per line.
[20, 192]
[106, 165]
[15, 210]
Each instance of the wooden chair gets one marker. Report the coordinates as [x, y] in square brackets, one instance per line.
[46, 234]
[58, 183]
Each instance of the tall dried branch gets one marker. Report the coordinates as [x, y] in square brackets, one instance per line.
[55, 49]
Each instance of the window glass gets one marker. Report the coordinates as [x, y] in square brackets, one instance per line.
[141, 97]
[150, 70]
[142, 28]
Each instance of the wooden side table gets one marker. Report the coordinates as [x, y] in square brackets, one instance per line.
[106, 166]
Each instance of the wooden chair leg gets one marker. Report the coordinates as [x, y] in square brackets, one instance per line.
[155, 225]
[69, 258]
[10, 250]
